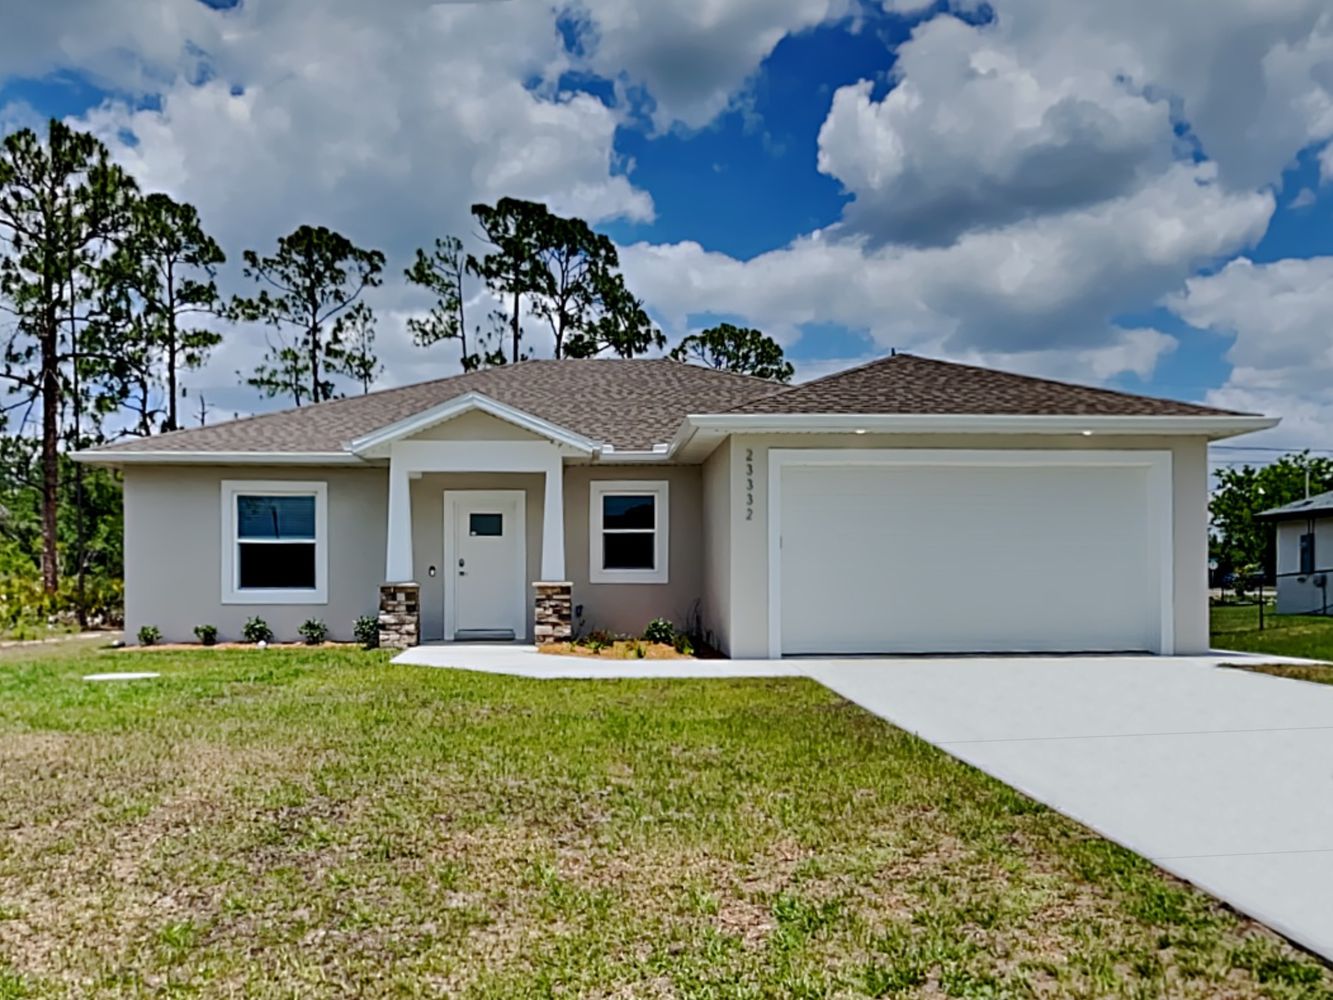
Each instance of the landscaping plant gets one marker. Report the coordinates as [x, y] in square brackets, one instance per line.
[149, 635]
[206, 634]
[367, 631]
[256, 630]
[661, 631]
[313, 631]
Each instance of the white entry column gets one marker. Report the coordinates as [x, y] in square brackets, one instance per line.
[553, 523]
[398, 548]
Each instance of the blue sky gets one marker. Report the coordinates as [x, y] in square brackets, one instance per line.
[1026, 183]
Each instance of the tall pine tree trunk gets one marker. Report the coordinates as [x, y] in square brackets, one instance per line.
[50, 389]
[171, 352]
[516, 330]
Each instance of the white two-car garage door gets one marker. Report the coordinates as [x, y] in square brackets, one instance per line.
[971, 552]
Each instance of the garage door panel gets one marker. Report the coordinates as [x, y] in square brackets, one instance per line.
[901, 558]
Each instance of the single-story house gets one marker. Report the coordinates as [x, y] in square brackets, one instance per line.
[908, 505]
[1304, 548]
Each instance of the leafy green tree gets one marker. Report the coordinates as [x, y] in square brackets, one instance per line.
[569, 276]
[162, 277]
[442, 272]
[510, 270]
[315, 276]
[736, 349]
[355, 354]
[1241, 541]
[63, 205]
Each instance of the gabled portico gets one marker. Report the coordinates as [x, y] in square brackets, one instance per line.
[542, 452]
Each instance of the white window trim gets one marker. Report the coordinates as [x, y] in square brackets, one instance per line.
[659, 489]
[231, 592]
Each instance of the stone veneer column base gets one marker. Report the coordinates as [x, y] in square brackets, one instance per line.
[400, 615]
[553, 612]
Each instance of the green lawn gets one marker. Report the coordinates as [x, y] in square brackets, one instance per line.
[1305, 636]
[289, 823]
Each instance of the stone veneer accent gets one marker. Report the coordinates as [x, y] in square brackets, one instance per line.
[400, 615]
[553, 612]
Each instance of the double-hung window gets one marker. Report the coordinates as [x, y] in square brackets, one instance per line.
[627, 532]
[274, 542]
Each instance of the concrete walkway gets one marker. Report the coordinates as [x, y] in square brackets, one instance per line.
[1222, 777]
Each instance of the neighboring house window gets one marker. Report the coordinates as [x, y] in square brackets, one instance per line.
[1307, 554]
[627, 532]
[274, 542]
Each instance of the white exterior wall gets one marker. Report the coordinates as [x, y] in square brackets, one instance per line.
[749, 535]
[173, 550]
[716, 544]
[1298, 595]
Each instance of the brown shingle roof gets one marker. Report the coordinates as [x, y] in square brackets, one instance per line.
[628, 404]
[633, 404]
[905, 383]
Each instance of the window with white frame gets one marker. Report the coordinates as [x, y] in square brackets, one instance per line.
[274, 542]
[627, 532]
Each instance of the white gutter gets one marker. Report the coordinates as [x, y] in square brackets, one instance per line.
[657, 453]
[128, 457]
[1212, 427]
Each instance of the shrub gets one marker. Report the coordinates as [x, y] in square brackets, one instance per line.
[683, 645]
[639, 651]
[149, 635]
[367, 631]
[257, 630]
[313, 631]
[660, 630]
[207, 634]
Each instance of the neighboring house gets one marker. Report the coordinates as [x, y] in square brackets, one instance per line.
[908, 505]
[1304, 553]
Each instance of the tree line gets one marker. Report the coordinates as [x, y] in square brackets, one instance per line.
[109, 298]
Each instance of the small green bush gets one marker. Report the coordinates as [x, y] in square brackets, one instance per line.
[257, 630]
[313, 631]
[660, 630]
[367, 631]
[149, 635]
[682, 644]
[207, 634]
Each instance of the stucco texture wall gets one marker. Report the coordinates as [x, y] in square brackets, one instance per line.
[173, 550]
[628, 607]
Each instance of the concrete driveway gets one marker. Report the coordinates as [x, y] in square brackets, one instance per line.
[1223, 777]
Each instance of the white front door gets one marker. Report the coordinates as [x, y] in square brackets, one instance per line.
[484, 564]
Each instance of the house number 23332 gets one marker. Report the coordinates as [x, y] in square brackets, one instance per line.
[749, 484]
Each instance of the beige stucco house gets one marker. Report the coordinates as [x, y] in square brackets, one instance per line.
[909, 505]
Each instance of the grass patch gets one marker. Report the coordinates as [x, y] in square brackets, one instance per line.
[1306, 636]
[317, 822]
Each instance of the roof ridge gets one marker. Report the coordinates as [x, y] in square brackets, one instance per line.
[716, 371]
[1063, 383]
[986, 370]
[824, 378]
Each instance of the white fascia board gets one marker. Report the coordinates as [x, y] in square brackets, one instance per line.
[462, 404]
[95, 457]
[1212, 427]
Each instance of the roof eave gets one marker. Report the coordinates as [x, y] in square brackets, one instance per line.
[113, 457]
[1213, 427]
